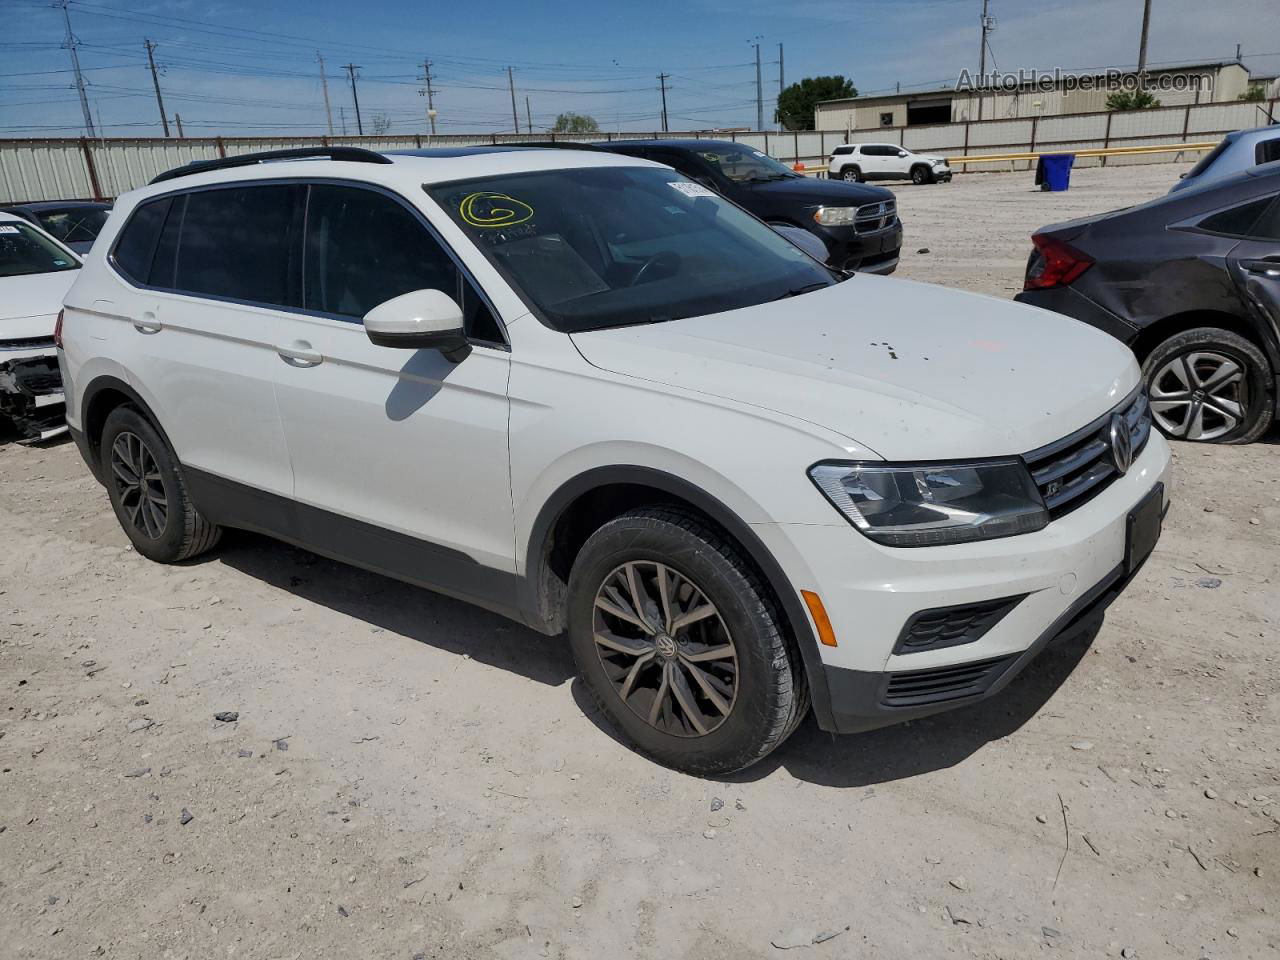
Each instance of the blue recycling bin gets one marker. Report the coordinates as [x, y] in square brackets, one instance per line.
[1053, 172]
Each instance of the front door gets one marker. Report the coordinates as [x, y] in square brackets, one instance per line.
[399, 456]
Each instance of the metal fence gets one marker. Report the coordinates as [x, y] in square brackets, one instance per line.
[67, 168]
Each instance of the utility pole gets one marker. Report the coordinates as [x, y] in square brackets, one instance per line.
[1142, 47]
[759, 93]
[342, 114]
[178, 119]
[155, 80]
[351, 69]
[987, 25]
[71, 44]
[511, 82]
[431, 95]
[528, 115]
[781, 85]
[324, 86]
[662, 80]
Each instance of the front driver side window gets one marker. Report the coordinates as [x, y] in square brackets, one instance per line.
[363, 248]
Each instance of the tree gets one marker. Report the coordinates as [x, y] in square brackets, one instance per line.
[1132, 100]
[575, 123]
[796, 103]
[1255, 94]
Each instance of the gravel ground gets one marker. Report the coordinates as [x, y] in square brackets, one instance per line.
[407, 776]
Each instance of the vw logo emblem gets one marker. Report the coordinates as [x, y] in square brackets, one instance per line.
[1121, 444]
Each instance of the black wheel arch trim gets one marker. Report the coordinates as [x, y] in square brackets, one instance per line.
[533, 583]
[87, 442]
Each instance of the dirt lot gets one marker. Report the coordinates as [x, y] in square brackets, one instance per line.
[445, 791]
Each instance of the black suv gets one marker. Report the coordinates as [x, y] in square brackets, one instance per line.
[1191, 282]
[858, 224]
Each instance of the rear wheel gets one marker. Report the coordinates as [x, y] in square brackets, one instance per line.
[680, 643]
[148, 492]
[1210, 385]
[852, 174]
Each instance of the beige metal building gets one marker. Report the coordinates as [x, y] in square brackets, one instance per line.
[1025, 95]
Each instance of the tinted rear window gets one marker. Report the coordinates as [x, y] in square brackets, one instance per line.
[74, 224]
[1238, 221]
[236, 243]
[137, 244]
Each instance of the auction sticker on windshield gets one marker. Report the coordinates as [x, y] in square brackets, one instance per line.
[691, 189]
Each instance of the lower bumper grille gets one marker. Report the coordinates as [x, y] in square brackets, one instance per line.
[952, 626]
[920, 687]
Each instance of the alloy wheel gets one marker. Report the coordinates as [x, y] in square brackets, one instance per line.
[665, 649]
[1200, 395]
[136, 477]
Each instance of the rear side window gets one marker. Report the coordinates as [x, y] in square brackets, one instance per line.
[237, 242]
[136, 247]
[843, 151]
[1267, 227]
[1238, 221]
[363, 248]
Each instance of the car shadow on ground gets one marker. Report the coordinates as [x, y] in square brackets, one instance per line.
[410, 611]
[861, 760]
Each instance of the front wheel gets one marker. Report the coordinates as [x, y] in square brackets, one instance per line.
[1210, 385]
[680, 643]
[919, 176]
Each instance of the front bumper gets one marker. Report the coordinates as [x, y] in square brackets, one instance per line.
[942, 173]
[31, 392]
[1069, 570]
[866, 252]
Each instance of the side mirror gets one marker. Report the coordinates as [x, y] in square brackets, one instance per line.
[902, 153]
[419, 320]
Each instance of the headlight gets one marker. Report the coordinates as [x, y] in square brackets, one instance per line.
[933, 504]
[836, 216]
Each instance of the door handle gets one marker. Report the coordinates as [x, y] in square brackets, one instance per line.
[147, 323]
[1267, 268]
[300, 354]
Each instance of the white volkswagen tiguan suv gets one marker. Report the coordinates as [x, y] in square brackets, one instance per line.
[585, 392]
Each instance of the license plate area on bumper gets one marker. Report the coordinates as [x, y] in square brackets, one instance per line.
[1143, 529]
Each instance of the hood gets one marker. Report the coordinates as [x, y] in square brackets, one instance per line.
[909, 370]
[829, 193]
[29, 305]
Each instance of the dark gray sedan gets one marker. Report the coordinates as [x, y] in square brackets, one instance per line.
[1191, 282]
[76, 223]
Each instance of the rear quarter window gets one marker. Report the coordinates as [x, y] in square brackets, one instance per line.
[136, 247]
[1237, 221]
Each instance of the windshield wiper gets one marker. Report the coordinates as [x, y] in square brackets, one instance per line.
[807, 288]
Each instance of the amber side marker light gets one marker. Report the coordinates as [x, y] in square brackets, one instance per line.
[820, 619]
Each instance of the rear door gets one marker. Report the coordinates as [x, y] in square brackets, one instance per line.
[399, 456]
[212, 271]
[1255, 264]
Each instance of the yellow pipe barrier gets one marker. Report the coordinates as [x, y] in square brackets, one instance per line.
[1091, 152]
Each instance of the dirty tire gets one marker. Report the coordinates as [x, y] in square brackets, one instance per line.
[1257, 383]
[771, 696]
[852, 174]
[185, 532]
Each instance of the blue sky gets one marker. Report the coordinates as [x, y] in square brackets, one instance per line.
[234, 67]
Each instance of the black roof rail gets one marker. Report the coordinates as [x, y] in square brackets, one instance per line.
[555, 145]
[352, 154]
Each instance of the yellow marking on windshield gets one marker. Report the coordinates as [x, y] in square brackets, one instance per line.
[493, 210]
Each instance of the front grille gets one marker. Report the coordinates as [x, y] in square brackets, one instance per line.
[875, 216]
[26, 343]
[920, 687]
[952, 626]
[1077, 468]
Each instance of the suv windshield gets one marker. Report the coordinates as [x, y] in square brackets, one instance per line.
[614, 246]
[25, 250]
[74, 224]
